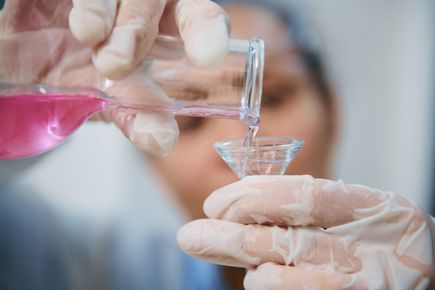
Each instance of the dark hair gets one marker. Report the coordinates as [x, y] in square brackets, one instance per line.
[293, 16]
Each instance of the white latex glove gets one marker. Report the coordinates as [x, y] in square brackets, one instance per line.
[37, 45]
[122, 31]
[297, 232]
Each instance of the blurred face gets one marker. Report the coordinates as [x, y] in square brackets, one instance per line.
[291, 106]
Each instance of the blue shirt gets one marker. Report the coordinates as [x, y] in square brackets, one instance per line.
[40, 250]
[200, 275]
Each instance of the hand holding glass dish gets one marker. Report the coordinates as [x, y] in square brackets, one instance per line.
[37, 118]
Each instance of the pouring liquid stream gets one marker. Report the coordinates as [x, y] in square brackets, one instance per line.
[252, 132]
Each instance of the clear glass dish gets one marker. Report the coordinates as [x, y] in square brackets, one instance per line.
[265, 155]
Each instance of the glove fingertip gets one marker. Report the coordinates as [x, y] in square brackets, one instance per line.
[207, 46]
[88, 26]
[111, 65]
[155, 134]
[187, 234]
[209, 207]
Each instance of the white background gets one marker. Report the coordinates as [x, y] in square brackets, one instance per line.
[381, 54]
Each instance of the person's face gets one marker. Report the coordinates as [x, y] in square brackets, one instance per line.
[291, 106]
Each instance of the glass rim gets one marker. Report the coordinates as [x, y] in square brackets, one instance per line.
[253, 86]
[254, 72]
[236, 145]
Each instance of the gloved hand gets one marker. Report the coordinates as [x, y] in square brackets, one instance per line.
[297, 232]
[38, 44]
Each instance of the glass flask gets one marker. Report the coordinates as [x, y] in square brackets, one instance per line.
[266, 155]
[37, 118]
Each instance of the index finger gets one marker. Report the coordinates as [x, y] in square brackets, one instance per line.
[292, 201]
[204, 27]
[134, 31]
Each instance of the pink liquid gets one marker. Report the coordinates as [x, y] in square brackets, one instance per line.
[31, 123]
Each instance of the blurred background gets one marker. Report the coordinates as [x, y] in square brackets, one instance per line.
[380, 54]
